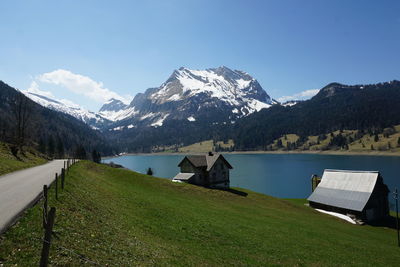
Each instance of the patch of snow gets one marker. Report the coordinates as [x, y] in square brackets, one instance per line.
[243, 83]
[130, 126]
[191, 118]
[174, 97]
[235, 110]
[338, 215]
[148, 115]
[160, 121]
[119, 128]
[120, 114]
[289, 103]
[256, 105]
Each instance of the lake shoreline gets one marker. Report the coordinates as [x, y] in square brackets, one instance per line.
[318, 152]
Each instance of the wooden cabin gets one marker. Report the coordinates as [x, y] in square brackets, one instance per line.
[211, 170]
[360, 194]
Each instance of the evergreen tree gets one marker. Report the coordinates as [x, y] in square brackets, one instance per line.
[42, 146]
[288, 145]
[60, 148]
[279, 143]
[372, 147]
[80, 152]
[376, 138]
[398, 142]
[51, 147]
[149, 171]
[96, 157]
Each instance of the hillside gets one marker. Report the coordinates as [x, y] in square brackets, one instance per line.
[346, 141]
[118, 217]
[9, 163]
[368, 108]
[43, 125]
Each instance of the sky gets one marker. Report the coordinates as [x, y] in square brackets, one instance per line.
[88, 51]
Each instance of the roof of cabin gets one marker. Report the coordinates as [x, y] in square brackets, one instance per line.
[206, 161]
[345, 189]
[183, 176]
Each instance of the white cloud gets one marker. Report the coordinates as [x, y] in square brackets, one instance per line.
[299, 96]
[81, 85]
[34, 89]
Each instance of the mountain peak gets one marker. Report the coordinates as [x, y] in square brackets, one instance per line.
[112, 105]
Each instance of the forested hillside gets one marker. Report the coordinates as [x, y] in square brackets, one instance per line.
[26, 123]
[368, 108]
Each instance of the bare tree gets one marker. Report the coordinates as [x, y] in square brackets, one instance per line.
[22, 112]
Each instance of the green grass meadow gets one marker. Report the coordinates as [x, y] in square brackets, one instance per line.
[117, 217]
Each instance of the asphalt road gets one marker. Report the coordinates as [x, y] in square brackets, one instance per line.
[18, 190]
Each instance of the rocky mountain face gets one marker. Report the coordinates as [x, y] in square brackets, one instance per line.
[218, 95]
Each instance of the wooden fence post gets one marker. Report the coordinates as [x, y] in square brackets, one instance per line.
[44, 206]
[62, 178]
[44, 259]
[56, 184]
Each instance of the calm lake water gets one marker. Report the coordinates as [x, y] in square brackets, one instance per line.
[279, 175]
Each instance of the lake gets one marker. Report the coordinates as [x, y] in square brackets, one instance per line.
[279, 175]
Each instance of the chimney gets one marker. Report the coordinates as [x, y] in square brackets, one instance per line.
[210, 153]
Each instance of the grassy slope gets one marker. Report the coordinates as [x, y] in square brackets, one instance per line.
[122, 218]
[8, 163]
[205, 146]
[362, 145]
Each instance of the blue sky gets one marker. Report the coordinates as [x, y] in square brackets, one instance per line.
[124, 47]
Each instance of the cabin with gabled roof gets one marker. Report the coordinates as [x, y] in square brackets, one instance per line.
[211, 170]
[361, 194]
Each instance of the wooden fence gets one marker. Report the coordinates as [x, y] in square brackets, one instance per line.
[49, 216]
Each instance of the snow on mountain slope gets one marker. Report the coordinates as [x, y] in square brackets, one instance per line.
[115, 110]
[94, 120]
[217, 94]
[234, 87]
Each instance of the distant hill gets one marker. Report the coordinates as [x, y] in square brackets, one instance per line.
[369, 108]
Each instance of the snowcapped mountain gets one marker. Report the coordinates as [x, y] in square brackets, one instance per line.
[211, 96]
[115, 110]
[217, 95]
[91, 118]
